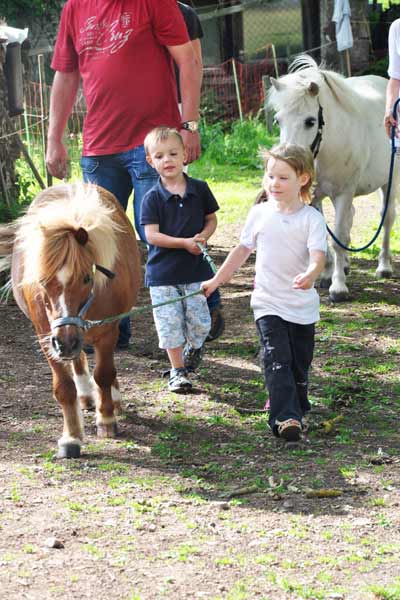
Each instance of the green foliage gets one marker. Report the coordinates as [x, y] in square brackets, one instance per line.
[21, 12]
[237, 144]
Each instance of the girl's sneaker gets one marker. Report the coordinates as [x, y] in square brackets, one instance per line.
[289, 430]
[178, 381]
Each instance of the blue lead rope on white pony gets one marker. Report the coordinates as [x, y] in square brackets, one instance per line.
[387, 198]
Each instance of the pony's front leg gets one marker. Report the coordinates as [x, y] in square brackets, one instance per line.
[105, 378]
[84, 383]
[69, 445]
[344, 212]
[325, 279]
[385, 268]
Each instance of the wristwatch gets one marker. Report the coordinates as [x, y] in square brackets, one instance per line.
[190, 126]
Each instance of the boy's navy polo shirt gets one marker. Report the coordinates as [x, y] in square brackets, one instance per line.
[177, 217]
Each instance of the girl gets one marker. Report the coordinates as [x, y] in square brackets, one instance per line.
[290, 240]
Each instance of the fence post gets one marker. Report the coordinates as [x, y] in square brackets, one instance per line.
[269, 119]
[237, 89]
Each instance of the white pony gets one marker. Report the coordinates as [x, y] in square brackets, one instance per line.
[341, 120]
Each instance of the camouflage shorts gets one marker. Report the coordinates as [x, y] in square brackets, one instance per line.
[180, 322]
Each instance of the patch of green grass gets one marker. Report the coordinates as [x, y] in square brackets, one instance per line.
[387, 592]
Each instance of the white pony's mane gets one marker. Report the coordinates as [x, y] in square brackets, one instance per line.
[67, 207]
[295, 86]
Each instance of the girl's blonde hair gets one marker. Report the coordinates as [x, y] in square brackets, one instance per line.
[160, 134]
[300, 159]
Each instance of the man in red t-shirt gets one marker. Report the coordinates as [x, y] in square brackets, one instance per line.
[123, 50]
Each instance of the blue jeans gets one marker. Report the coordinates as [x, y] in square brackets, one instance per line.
[120, 174]
[288, 352]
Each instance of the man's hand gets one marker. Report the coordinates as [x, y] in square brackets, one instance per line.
[57, 160]
[191, 246]
[389, 121]
[191, 141]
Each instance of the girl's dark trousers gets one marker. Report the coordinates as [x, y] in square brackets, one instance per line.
[287, 354]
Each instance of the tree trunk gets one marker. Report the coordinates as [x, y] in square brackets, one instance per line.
[9, 151]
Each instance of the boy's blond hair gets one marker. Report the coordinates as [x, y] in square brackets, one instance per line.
[300, 159]
[160, 134]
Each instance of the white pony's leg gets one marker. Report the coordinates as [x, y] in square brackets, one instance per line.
[385, 268]
[326, 275]
[344, 212]
[84, 383]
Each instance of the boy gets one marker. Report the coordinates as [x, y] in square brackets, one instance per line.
[177, 213]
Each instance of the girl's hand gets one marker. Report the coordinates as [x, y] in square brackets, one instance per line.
[209, 286]
[303, 281]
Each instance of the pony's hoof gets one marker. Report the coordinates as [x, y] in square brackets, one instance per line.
[339, 296]
[384, 274]
[325, 284]
[107, 430]
[69, 451]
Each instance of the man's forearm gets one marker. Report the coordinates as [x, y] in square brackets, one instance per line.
[63, 93]
[392, 93]
[190, 82]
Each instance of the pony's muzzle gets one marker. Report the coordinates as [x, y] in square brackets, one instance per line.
[67, 342]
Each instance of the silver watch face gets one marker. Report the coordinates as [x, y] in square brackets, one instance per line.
[191, 125]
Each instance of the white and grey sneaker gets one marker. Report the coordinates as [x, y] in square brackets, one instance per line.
[192, 357]
[178, 381]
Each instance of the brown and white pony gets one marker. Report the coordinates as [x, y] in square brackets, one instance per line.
[74, 255]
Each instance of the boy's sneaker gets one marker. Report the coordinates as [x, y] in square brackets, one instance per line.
[289, 430]
[192, 357]
[217, 324]
[178, 382]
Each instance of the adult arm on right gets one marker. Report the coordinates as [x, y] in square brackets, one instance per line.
[63, 94]
[392, 93]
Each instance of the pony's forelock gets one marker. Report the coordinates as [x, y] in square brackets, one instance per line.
[47, 234]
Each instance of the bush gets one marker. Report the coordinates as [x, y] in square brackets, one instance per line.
[235, 144]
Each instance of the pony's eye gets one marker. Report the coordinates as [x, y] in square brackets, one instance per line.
[310, 122]
[87, 279]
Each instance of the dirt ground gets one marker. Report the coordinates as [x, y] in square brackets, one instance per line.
[196, 499]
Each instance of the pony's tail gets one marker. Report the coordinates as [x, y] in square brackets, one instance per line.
[7, 237]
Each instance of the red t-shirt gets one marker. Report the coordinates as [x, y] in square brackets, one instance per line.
[119, 47]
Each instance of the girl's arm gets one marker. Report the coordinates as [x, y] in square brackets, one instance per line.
[305, 281]
[236, 258]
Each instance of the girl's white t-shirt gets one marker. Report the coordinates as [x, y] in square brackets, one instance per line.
[394, 50]
[283, 243]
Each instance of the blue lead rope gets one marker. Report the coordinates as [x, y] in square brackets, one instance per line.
[88, 324]
[387, 198]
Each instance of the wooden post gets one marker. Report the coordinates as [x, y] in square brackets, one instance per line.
[348, 63]
[21, 146]
[239, 103]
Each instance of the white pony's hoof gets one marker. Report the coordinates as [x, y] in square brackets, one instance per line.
[339, 296]
[384, 273]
